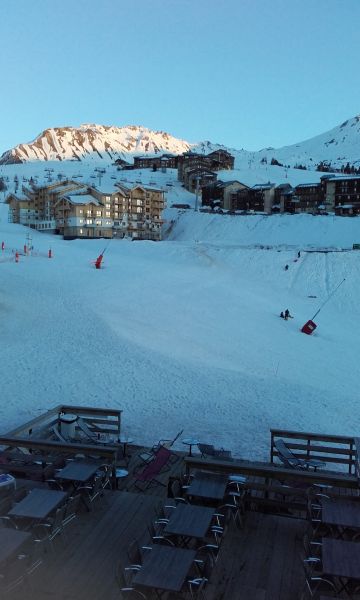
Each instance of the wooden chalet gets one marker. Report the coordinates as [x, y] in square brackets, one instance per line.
[165, 161]
[341, 194]
[260, 553]
[308, 197]
[220, 193]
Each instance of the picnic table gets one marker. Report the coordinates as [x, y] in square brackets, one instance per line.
[340, 514]
[189, 521]
[165, 568]
[10, 541]
[211, 486]
[78, 471]
[38, 504]
[341, 560]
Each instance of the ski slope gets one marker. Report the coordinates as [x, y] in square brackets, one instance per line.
[185, 334]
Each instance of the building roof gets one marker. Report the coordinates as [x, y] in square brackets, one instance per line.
[81, 199]
[342, 178]
[263, 186]
[307, 185]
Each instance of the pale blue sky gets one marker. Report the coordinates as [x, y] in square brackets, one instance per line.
[246, 73]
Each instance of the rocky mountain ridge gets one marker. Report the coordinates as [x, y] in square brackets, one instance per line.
[337, 147]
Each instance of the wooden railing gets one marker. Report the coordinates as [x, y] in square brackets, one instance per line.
[335, 450]
[54, 447]
[272, 472]
[100, 420]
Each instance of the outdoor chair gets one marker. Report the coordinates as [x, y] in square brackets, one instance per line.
[91, 493]
[293, 462]
[207, 450]
[49, 530]
[124, 579]
[177, 492]
[197, 584]
[148, 456]
[315, 583]
[160, 463]
[72, 507]
[156, 534]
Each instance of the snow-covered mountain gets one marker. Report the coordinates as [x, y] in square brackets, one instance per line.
[98, 142]
[94, 141]
[337, 147]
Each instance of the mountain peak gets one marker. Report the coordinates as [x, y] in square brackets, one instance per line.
[94, 141]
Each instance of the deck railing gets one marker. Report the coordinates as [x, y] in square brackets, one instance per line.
[337, 451]
[100, 420]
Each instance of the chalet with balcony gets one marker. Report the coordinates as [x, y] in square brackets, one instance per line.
[341, 194]
[215, 161]
[220, 193]
[197, 178]
[221, 160]
[35, 205]
[165, 161]
[79, 211]
[308, 198]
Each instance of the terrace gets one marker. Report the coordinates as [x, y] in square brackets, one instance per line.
[261, 544]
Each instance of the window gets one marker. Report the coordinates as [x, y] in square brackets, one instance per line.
[81, 211]
[81, 220]
[98, 213]
[107, 213]
[98, 222]
[80, 230]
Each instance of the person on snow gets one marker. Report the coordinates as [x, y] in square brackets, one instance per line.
[287, 315]
[299, 254]
[282, 315]
[286, 267]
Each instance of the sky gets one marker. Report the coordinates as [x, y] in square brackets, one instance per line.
[246, 73]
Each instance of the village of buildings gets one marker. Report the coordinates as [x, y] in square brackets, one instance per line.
[77, 210]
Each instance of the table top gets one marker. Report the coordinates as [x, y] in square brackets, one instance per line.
[341, 512]
[190, 441]
[165, 568]
[208, 485]
[190, 521]
[125, 439]
[10, 541]
[341, 559]
[38, 504]
[78, 470]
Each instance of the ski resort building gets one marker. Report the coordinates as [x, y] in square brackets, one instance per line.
[338, 195]
[78, 211]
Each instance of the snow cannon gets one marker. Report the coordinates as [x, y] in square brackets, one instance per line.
[98, 261]
[309, 327]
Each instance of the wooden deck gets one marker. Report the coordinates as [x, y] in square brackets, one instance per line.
[259, 562]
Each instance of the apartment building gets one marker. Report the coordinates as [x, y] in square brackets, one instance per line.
[341, 194]
[80, 211]
[35, 205]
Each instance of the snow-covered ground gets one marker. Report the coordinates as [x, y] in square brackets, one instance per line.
[185, 334]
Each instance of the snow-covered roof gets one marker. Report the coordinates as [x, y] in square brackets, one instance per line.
[81, 199]
[263, 186]
[307, 185]
[342, 178]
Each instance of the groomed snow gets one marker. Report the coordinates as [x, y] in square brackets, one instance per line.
[185, 334]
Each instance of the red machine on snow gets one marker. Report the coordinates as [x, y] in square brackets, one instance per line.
[310, 326]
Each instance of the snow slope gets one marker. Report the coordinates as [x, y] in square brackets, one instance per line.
[185, 334]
